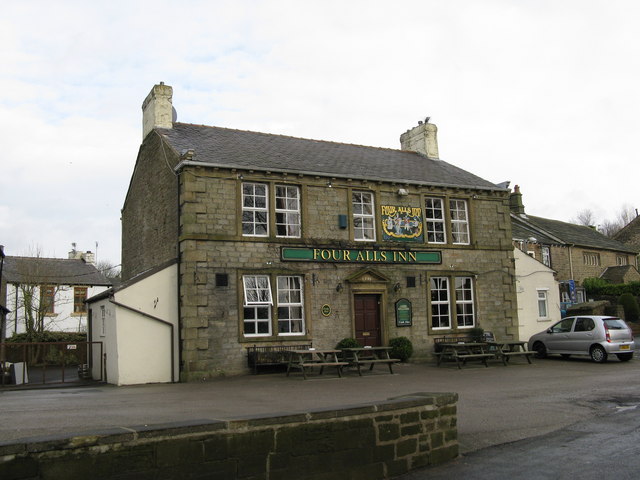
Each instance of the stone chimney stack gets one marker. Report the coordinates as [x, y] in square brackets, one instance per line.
[157, 110]
[515, 201]
[422, 139]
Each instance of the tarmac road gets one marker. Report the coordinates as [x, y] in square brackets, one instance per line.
[598, 448]
[496, 405]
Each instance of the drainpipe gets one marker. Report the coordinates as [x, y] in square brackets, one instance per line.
[571, 262]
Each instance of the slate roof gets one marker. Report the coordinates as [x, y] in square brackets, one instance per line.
[570, 234]
[522, 231]
[241, 149]
[53, 271]
[621, 274]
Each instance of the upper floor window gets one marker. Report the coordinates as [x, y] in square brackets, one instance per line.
[255, 210]
[434, 214]
[47, 299]
[591, 259]
[622, 260]
[287, 211]
[459, 222]
[363, 216]
[79, 297]
[546, 256]
[437, 221]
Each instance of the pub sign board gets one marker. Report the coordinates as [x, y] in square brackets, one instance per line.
[359, 255]
[403, 313]
[401, 224]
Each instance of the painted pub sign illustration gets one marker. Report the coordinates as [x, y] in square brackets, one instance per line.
[401, 224]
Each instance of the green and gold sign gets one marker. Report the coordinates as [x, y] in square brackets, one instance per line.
[401, 224]
[403, 313]
[357, 255]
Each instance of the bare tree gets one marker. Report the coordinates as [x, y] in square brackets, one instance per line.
[108, 269]
[584, 217]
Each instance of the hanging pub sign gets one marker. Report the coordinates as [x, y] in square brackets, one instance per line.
[403, 313]
[401, 224]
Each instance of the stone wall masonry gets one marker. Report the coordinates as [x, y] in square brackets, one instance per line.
[371, 441]
[150, 211]
[213, 313]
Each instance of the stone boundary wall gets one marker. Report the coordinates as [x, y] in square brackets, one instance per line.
[370, 441]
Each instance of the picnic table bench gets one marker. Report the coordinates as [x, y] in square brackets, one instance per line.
[312, 357]
[369, 356]
[463, 351]
[510, 348]
[271, 355]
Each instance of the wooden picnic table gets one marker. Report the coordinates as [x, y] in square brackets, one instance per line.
[314, 357]
[506, 349]
[369, 356]
[463, 351]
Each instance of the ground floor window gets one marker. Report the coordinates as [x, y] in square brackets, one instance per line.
[440, 316]
[259, 307]
[543, 310]
[444, 300]
[465, 314]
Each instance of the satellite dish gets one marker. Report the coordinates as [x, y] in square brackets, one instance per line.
[174, 115]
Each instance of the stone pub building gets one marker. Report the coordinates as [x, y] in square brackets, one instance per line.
[280, 240]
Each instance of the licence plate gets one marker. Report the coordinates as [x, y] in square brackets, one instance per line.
[624, 347]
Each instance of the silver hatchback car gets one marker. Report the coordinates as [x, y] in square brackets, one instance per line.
[596, 336]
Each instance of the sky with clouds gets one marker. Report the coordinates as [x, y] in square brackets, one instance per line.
[541, 93]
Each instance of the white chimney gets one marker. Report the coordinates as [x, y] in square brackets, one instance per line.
[157, 110]
[422, 139]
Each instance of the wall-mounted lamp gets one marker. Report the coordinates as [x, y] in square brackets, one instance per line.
[396, 287]
[240, 176]
[339, 287]
[403, 192]
[329, 184]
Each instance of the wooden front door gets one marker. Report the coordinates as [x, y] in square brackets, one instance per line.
[367, 319]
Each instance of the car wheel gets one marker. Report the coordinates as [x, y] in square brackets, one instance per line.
[598, 354]
[624, 357]
[540, 349]
[565, 355]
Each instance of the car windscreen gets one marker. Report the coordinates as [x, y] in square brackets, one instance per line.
[614, 324]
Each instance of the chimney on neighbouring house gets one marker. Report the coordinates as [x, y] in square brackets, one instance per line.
[515, 201]
[422, 139]
[157, 110]
[88, 256]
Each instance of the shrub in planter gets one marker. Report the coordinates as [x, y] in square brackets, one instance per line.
[401, 348]
[630, 305]
[348, 343]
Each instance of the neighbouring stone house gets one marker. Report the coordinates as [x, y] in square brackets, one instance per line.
[55, 290]
[281, 240]
[630, 235]
[575, 252]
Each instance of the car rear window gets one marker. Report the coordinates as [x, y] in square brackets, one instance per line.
[614, 324]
